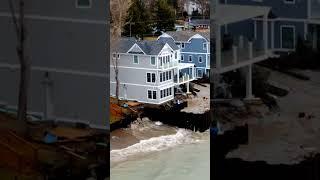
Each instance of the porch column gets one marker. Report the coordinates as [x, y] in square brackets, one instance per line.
[305, 30]
[265, 33]
[178, 75]
[315, 38]
[218, 46]
[188, 88]
[48, 109]
[216, 82]
[249, 82]
[272, 35]
[255, 30]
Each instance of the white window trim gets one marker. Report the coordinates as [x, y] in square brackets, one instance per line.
[133, 59]
[83, 7]
[204, 44]
[152, 90]
[153, 94]
[148, 93]
[189, 58]
[199, 59]
[155, 80]
[294, 35]
[289, 2]
[155, 60]
[183, 45]
[199, 76]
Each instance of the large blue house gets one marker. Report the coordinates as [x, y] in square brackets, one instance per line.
[287, 21]
[195, 48]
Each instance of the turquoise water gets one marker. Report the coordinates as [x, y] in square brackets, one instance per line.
[182, 155]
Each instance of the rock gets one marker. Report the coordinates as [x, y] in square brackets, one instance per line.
[302, 115]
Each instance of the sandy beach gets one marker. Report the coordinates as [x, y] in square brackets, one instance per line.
[201, 103]
[283, 137]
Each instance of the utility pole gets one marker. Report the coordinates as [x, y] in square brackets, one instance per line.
[130, 24]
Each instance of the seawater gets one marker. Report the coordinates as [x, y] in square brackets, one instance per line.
[154, 151]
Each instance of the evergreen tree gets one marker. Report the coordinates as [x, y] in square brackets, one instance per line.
[165, 16]
[138, 20]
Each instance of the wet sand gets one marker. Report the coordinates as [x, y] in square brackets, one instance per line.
[282, 137]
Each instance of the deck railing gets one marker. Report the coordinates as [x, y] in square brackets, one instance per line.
[241, 49]
[168, 65]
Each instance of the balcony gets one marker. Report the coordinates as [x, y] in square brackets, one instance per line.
[241, 52]
[171, 64]
[185, 73]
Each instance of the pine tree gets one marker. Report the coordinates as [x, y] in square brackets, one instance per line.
[165, 16]
[138, 20]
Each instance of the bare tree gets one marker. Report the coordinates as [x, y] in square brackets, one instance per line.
[118, 12]
[181, 4]
[204, 6]
[19, 26]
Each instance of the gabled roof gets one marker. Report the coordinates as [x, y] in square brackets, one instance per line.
[184, 36]
[197, 22]
[148, 47]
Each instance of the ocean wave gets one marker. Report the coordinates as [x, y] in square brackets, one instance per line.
[154, 144]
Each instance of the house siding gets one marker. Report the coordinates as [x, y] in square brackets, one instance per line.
[90, 100]
[65, 9]
[73, 52]
[279, 8]
[194, 48]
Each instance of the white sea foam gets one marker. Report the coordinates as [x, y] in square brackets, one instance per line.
[153, 144]
[158, 123]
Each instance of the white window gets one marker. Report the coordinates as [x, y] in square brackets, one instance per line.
[190, 58]
[289, 1]
[135, 59]
[182, 57]
[204, 46]
[200, 73]
[152, 94]
[149, 94]
[114, 55]
[200, 59]
[151, 77]
[161, 77]
[153, 60]
[176, 55]
[182, 45]
[83, 3]
[118, 56]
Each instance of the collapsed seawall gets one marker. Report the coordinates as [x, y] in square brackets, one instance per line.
[174, 117]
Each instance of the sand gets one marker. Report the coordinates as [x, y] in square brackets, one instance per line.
[282, 137]
[201, 103]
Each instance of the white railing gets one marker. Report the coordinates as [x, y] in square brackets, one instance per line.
[169, 65]
[242, 49]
